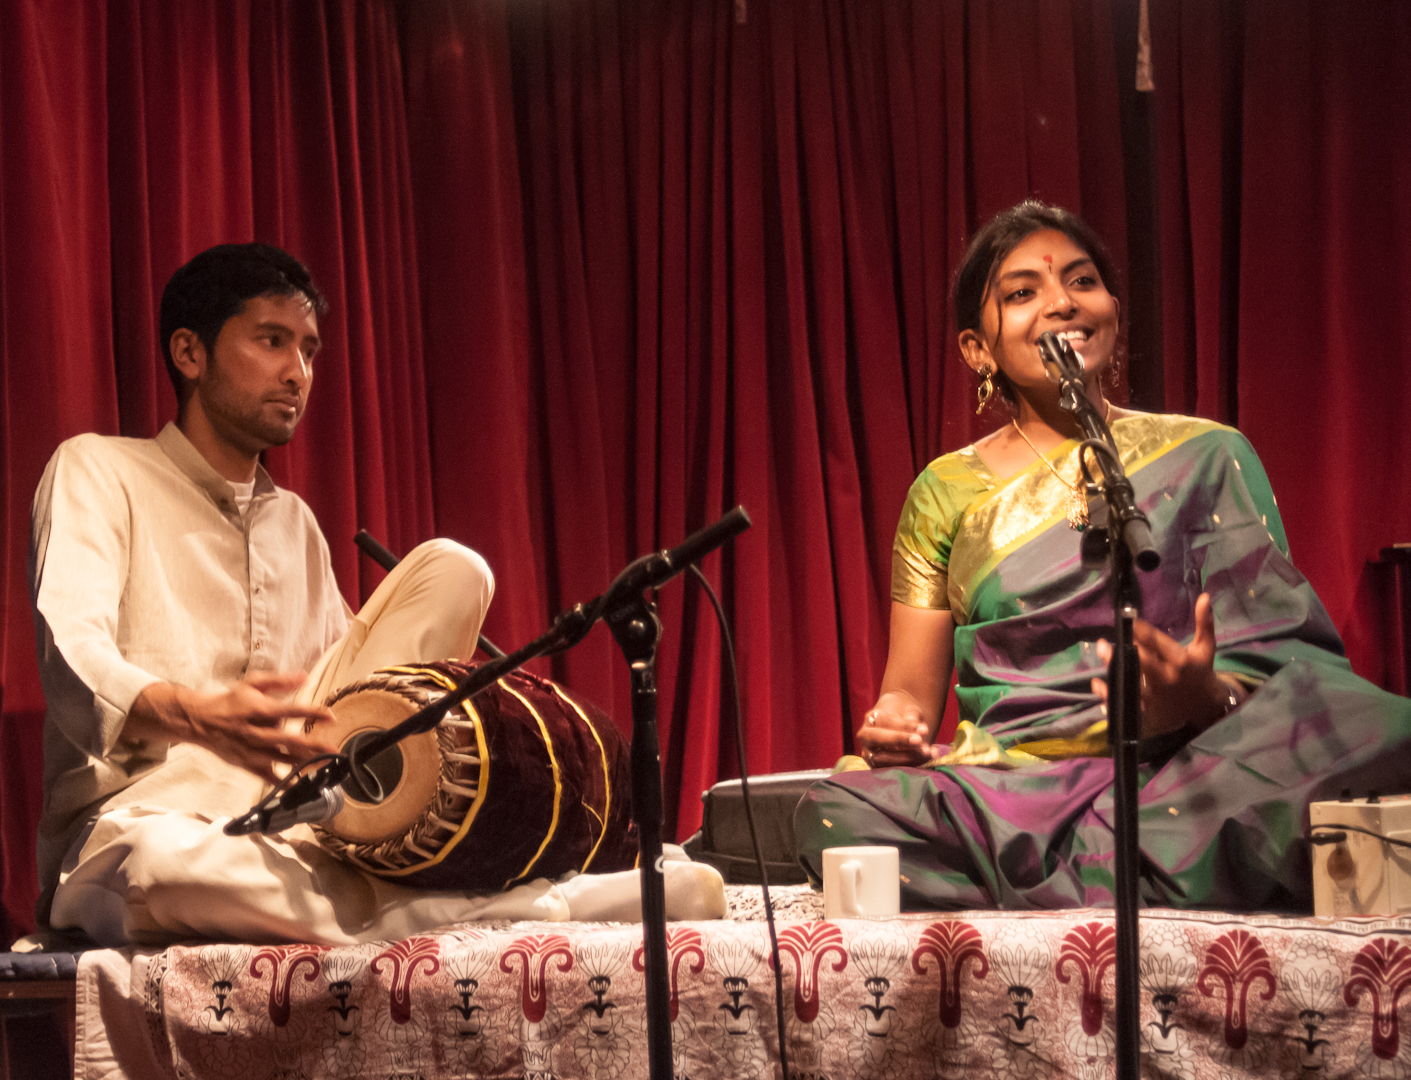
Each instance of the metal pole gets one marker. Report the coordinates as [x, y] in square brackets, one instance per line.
[1124, 703]
[637, 630]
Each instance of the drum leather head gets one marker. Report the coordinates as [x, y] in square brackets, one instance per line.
[370, 711]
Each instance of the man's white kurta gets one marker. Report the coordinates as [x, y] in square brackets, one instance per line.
[143, 570]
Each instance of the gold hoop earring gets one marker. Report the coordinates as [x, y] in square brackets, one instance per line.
[986, 391]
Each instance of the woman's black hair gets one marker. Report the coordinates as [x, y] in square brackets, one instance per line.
[991, 246]
[213, 288]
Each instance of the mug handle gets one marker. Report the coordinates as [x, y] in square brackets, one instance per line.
[849, 878]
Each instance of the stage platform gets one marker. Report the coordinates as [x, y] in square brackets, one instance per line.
[969, 994]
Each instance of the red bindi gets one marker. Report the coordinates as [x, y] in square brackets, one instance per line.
[1048, 259]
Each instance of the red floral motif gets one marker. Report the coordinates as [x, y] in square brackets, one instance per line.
[951, 943]
[284, 961]
[404, 958]
[1236, 959]
[1383, 969]
[681, 943]
[1092, 949]
[534, 953]
[808, 945]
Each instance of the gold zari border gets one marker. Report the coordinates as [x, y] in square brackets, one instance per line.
[1034, 500]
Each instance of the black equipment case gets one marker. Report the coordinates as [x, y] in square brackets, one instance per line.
[724, 837]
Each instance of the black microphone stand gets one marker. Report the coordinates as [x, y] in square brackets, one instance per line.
[1126, 546]
[637, 631]
[635, 626]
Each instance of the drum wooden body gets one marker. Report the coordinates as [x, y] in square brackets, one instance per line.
[521, 781]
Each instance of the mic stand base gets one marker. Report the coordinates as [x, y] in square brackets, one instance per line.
[637, 630]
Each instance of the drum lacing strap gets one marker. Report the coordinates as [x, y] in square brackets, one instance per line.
[409, 842]
[464, 759]
[448, 722]
[460, 789]
[443, 823]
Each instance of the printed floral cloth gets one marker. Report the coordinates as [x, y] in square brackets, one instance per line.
[973, 994]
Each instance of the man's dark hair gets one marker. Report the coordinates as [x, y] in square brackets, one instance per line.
[214, 286]
[992, 245]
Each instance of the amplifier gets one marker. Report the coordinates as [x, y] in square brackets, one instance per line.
[724, 839]
[1358, 873]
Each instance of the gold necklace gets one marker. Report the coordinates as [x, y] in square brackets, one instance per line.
[1077, 501]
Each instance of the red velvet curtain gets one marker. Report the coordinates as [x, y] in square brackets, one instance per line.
[133, 135]
[1285, 180]
[672, 261]
[662, 261]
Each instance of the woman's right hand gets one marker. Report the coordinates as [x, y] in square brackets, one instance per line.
[893, 732]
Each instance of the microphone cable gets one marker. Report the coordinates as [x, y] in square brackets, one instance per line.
[1315, 837]
[729, 642]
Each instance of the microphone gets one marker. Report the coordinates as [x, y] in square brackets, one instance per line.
[1063, 367]
[657, 569]
[1060, 361]
[298, 806]
[1065, 370]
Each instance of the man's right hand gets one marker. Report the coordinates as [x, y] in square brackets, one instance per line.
[893, 732]
[243, 724]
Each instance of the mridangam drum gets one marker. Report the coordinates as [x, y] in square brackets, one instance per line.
[520, 782]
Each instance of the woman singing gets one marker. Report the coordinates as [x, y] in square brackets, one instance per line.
[1249, 711]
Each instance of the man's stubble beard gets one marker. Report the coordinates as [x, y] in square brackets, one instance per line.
[244, 423]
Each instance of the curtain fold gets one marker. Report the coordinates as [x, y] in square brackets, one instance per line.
[56, 319]
[1284, 182]
[716, 267]
[1324, 316]
[133, 135]
[1197, 45]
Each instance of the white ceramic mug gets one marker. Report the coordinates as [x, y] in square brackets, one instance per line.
[860, 882]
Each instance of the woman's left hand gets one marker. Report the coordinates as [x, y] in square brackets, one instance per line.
[1179, 684]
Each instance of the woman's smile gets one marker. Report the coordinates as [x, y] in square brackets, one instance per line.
[1048, 283]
